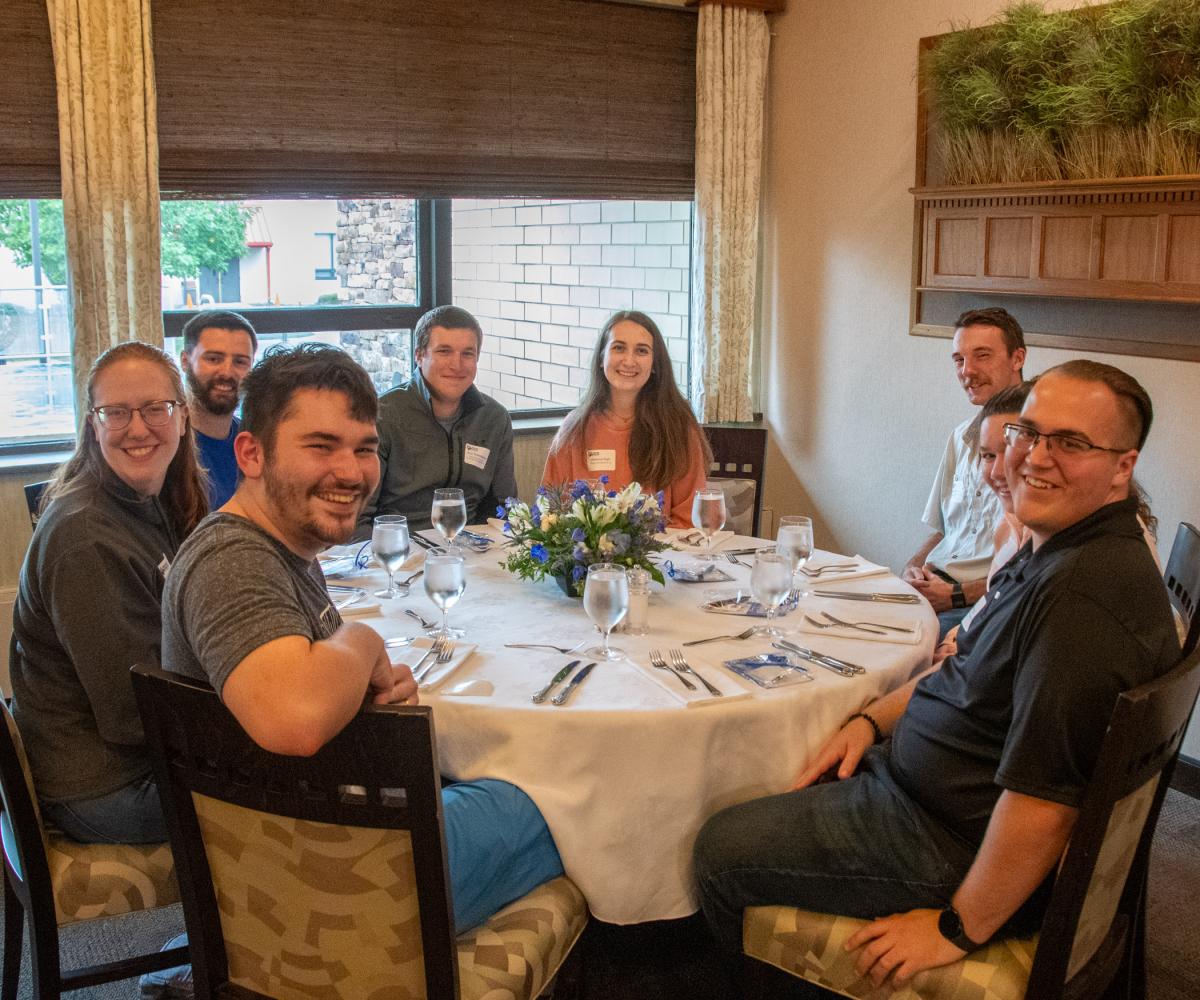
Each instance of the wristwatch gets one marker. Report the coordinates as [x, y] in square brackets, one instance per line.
[957, 598]
[951, 928]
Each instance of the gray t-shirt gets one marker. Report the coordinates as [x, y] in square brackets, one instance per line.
[233, 588]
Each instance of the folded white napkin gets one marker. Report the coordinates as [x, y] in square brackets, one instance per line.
[863, 568]
[730, 689]
[409, 655]
[363, 608]
[691, 540]
[837, 631]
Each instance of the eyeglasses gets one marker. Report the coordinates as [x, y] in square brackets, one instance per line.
[117, 418]
[1026, 438]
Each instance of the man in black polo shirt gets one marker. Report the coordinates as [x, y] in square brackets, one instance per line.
[955, 823]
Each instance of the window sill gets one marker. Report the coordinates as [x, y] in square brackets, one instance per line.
[19, 461]
[529, 426]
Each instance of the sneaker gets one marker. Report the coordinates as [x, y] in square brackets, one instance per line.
[168, 984]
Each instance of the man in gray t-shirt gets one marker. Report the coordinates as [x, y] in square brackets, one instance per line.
[245, 608]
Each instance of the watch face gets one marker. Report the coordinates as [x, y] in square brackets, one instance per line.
[950, 924]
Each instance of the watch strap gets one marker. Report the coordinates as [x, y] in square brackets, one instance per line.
[950, 926]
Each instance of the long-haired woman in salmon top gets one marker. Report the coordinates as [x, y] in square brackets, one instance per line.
[633, 424]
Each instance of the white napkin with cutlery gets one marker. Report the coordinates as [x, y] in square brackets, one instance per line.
[410, 655]
[691, 540]
[730, 689]
[363, 608]
[841, 632]
[863, 568]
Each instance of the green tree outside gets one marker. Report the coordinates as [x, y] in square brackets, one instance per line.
[195, 234]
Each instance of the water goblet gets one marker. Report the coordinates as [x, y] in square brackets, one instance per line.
[770, 581]
[449, 514]
[389, 543]
[445, 581]
[795, 540]
[708, 515]
[606, 601]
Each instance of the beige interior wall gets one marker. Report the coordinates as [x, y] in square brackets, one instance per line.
[858, 409]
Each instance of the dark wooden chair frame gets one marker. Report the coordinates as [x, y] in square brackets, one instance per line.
[29, 896]
[380, 772]
[33, 499]
[743, 446]
[1143, 740]
[1183, 580]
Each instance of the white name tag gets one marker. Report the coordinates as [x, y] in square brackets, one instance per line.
[164, 566]
[974, 613]
[601, 460]
[475, 455]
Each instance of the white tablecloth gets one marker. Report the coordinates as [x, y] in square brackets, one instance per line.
[625, 774]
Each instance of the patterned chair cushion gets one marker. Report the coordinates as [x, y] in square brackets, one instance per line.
[810, 945]
[103, 880]
[318, 910]
[739, 504]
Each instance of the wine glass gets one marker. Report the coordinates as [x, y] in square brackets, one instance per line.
[795, 540]
[770, 581]
[708, 515]
[445, 581]
[606, 600]
[389, 542]
[449, 514]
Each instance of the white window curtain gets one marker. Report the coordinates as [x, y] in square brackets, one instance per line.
[108, 143]
[732, 44]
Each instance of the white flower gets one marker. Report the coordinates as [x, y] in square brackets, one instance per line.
[624, 500]
[606, 545]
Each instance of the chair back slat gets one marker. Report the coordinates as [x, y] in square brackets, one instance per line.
[24, 837]
[1098, 888]
[1183, 581]
[271, 838]
[33, 499]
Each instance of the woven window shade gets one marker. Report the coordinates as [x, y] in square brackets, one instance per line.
[28, 108]
[472, 98]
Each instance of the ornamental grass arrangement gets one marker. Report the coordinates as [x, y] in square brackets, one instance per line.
[569, 527]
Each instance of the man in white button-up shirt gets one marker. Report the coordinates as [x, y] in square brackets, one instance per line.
[950, 569]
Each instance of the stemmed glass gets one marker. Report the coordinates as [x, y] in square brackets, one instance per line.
[445, 581]
[795, 540]
[606, 601]
[708, 515]
[389, 542]
[449, 514]
[770, 581]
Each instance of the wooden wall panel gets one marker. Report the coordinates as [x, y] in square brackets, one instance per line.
[1007, 248]
[1066, 248]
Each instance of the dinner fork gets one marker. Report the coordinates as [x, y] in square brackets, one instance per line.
[682, 666]
[544, 645]
[734, 559]
[656, 660]
[713, 638]
[890, 628]
[444, 654]
[816, 571]
[857, 628]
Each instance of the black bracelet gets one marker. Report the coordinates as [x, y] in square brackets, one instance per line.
[957, 598]
[874, 724]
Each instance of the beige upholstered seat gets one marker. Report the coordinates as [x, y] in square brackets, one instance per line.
[740, 501]
[104, 880]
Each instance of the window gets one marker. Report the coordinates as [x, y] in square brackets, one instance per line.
[326, 272]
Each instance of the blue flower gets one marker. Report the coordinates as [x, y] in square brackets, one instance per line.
[535, 515]
[659, 497]
[578, 573]
[604, 480]
[579, 553]
[620, 541]
[539, 553]
[578, 535]
[500, 511]
[580, 489]
[507, 528]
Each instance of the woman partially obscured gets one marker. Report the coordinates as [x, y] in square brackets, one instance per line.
[633, 424]
[87, 606]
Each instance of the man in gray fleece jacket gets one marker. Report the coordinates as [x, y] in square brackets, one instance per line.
[440, 431]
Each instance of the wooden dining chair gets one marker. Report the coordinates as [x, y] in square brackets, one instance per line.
[326, 875]
[33, 499]
[739, 454]
[1183, 581]
[1091, 944]
[51, 881]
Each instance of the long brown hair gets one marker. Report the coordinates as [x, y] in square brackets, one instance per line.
[664, 427]
[183, 493]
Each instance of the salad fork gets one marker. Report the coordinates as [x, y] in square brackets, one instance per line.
[713, 638]
[544, 645]
[681, 666]
[656, 660]
[444, 655]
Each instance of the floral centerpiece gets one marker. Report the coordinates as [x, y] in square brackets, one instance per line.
[569, 527]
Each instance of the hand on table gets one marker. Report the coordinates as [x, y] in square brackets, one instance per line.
[842, 752]
[902, 945]
[391, 684]
[933, 588]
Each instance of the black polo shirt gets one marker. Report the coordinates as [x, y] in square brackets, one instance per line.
[1026, 701]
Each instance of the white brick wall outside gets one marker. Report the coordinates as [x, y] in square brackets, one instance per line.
[543, 276]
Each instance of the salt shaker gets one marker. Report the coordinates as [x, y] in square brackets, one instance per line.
[637, 618]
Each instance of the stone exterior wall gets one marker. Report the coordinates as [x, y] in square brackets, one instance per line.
[542, 277]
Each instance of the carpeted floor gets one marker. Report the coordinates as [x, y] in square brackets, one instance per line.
[675, 960]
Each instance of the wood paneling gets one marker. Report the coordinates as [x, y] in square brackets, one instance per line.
[1007, 253]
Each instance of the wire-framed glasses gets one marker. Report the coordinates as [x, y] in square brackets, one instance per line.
[1025, 438]
[155, 414]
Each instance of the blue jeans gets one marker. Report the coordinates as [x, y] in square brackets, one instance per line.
[130, 815]
[859, 847]
[948, 619]
[499, 848]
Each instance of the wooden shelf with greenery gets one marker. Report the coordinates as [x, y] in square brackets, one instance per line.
[1058, 156]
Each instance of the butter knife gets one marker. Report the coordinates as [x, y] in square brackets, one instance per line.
[558, 678]
[842, 667]
[560, 699]
[882, 598]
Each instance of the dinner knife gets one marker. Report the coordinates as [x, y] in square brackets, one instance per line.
[560, 699]
[558, 678]
[843, 667]
[881, 598]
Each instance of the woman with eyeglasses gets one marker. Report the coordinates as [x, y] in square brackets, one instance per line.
[88, 601]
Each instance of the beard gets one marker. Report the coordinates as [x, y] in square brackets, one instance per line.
[292, 502]
[202, 394]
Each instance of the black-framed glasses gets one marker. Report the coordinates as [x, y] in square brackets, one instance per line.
[155, 414]
[1026, 438]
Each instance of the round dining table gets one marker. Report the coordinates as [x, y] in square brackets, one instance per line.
[631, 765]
